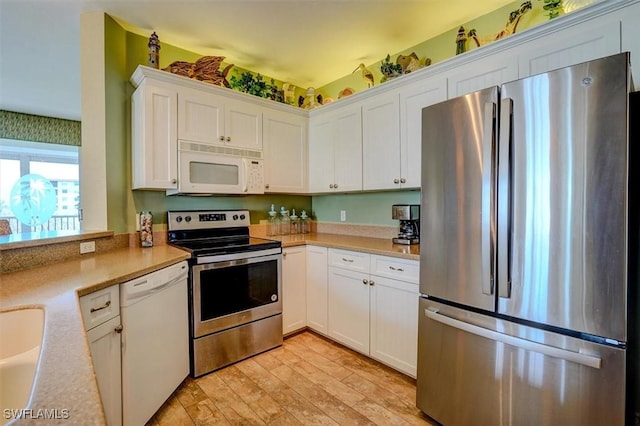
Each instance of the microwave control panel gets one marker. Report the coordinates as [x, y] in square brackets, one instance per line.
[255, 177]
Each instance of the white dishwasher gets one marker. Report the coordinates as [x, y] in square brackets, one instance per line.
[155, 341]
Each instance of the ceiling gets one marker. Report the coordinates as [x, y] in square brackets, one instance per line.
[305, 42]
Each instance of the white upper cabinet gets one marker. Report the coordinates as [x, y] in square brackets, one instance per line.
[412, 99]
[381, 142]
[201, 117]
[631, 38]
[285, 152]
[335, 150]
[493, 70]
[208, 118]
[154, 113]
[584, 42]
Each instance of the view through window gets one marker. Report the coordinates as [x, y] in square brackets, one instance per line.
[39, 186]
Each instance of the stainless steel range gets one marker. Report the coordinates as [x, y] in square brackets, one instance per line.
[234, 287]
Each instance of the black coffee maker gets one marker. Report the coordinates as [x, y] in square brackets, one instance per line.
[409, 217]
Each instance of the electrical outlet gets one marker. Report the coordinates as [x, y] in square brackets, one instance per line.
[343, 215]
[87, 247]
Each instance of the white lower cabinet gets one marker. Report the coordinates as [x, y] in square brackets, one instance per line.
[393, 331]
[349, 308]
[101, 315]
[317, 289]
[294, 292]
[375, 310]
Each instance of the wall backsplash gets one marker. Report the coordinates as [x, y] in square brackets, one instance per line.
[372, 208]
[258, 205]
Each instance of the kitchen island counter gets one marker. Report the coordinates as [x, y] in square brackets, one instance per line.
[65, 383]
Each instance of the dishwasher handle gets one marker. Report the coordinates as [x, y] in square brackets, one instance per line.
[136, 290]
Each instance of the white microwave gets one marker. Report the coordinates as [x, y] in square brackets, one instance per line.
[210, 169]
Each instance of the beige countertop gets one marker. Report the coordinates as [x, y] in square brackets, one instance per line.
[65, 379]
[381, 246]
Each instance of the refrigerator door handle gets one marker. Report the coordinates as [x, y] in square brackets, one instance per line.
[528, 345]
[504, 199]
[488, 210]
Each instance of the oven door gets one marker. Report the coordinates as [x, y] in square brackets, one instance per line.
[234, 292]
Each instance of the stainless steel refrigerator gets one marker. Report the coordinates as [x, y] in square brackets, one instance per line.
[525, 245]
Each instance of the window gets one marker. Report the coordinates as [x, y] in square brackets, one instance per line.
[49, 198]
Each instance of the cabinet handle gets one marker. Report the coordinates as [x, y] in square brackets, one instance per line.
[284, 254]
[365, 282]
[331, 185]
[174, 180]
[344, 259]
[266, 186]
[396, 269]
[335, 185]
[118, 329]
[396, 181]
[403, 180]
[228, 138]
[105, 306]
[222, 138]
[371, 282]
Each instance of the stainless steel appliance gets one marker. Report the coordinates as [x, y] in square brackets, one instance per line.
[235, 306]
[409, 217]
[525, 278]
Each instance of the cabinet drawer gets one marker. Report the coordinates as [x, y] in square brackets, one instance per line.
[100, 306]
[396, 268]
[352, 260]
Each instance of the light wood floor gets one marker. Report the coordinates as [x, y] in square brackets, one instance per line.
[308, 381]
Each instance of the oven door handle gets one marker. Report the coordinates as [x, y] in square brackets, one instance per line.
[245, 257]
[210, 262]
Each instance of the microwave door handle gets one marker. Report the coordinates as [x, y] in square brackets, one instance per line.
[245, 175]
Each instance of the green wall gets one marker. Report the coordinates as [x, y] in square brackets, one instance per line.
[124, 51]
[371, 208]
[443, 46]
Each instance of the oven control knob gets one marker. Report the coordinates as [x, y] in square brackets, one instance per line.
[235, 217]
[187, 219]
[179, 219]
[242, 217]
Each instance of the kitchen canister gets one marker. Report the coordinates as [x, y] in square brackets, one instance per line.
[146, 229]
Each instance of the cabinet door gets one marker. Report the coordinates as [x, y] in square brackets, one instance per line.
[200, 117]
[154, 133]
[321, 177]
[349, 308]
[394, 323]
[243, 125]
[294, 306]
[412, 100]
[381, 142]
[348, 149]
[285, 152]
[104, 343]
[490, 71]
[631, 38]
[317, 289]
[580, 43]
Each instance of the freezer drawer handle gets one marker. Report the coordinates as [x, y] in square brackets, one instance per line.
[583, 359]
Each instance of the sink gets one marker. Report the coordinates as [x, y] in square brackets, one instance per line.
[20, 339]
